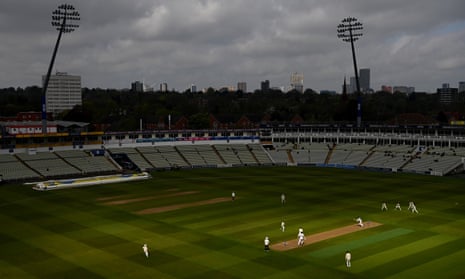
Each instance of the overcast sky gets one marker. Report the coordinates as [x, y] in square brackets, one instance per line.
[217, 43]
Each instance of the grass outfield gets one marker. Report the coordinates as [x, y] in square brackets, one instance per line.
[98, 231]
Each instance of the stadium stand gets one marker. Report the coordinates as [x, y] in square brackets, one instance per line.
[135, 156]
[349, 154]
[279, 157]
[301, 156]
[192, 155]
[387, 148]
[48, 164]
[242, 151]
[200, 155]
[173, 157]
[318, 152]
[433, 160]
[390, 157]
[86, 162]
[154, 157]
[210, 155]
[12, 169]
[228, 154]
[260, 154]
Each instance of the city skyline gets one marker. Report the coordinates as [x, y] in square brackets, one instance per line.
[215, 43]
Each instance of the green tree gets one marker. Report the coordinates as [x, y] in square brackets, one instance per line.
[199, 121]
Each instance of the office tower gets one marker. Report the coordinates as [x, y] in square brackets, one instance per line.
[193, 88]
[265, 85]
[447, 94]
[137, 86]
[352, 85]
[242, 86]
[365, 80]
[63, 92]
[297, 82]
[164, 87]
[461, 86]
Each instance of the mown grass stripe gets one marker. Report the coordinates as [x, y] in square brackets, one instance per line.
[79, 254]
[8, 270]
[216, 258]
[86, 222]
[156, 210]
[251, 269]
[402, 251]
[215, 212]
[404, 263]
[340, 248]
[450, 266]
[192, 242]
[456, 228]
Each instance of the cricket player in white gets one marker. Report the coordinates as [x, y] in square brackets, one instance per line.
[414, 208]
[146, 250]
[384, 207]
[359, 221]
[233, 196]
[398, 206]
[348, 257]
[267, 243]
[283, 226]
[410, 205]
[300, 239]
[283, 199]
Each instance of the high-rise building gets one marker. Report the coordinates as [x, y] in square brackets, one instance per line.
[242, 86]
[352, 85]
[137, 86]
[297, 82]
[364, 80]
[63, 92]
[164, 87]
[447, 94]
[193, 88]
[265, 86]
[461, 86]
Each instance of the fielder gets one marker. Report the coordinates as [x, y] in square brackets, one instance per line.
[348, 257]
[398, 206]
[267, 243]
[233, 196]
[359, 222]
[384, 207]
[283, 199]
[300, 239]
[283, 226]
[414, 208]
[146, 250]
[410, 205]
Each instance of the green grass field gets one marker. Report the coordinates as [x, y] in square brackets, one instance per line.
[89, 233]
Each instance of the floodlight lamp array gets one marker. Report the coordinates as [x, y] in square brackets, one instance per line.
[62, 16]
[349, 29]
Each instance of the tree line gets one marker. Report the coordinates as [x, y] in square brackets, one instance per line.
[122, 110]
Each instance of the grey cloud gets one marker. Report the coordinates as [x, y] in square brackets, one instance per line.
[219, 42]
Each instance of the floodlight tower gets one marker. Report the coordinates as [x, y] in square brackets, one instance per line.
[63, 19]
[350, 31]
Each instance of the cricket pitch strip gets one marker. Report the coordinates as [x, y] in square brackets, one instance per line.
[313, 238]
